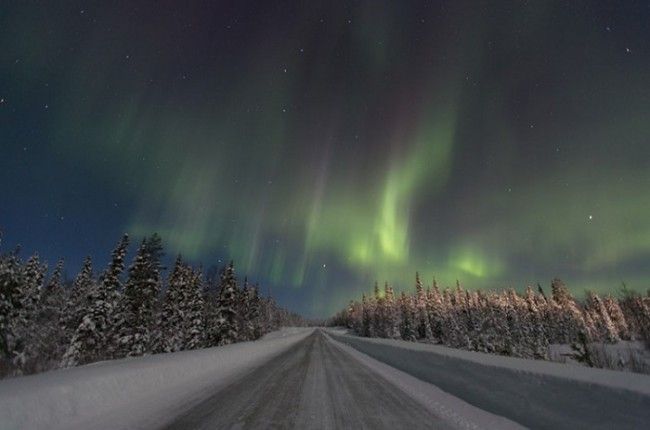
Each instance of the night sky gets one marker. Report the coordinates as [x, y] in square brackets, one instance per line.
[326, 144]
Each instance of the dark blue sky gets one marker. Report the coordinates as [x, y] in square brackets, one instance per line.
[324, 146]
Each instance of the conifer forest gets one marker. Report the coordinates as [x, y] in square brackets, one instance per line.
[501, 322]
[123, 310]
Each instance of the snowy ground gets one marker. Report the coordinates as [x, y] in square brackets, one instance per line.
[537, 394]
[631, 356]
[132, 393]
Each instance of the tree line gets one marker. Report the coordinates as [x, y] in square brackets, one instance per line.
[501, 322]
[46, 323]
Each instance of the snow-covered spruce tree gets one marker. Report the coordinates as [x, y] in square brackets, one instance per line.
[255, 313]
[94, 339]
[367, 327]
[568, 320]
[605, 330]
[51, 344]
[636, 309]
[226, 323]
[516, 324]
[24, 316]
[267, 314]
[435, 311]
[139, 301]
[535, 334]
[380, 316]
[193, 323]
[474, 319]
[392, 313]
[355, 313]
[454, 326]
[210, 298]
[77, 302]
[177, 315]
[407, 328]
[11, 274]
[423, 325]
[242, 316]
[616, 315]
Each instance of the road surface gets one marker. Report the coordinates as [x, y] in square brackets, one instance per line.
[313, 385]
[532, 400]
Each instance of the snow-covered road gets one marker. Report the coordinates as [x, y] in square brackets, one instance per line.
[325, 379]
[313, 385]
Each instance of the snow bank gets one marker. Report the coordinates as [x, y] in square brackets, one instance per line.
[452, 409]
[624, 355]
[610, 378]
[131, 393]
[534, 393]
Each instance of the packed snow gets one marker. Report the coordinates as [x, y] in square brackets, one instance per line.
[132, 393]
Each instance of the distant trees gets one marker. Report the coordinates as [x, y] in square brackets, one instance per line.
[498, 322]
[45, 324]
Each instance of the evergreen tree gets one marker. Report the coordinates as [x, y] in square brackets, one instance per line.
[94, 338]
[193, 312]
[568, 320]
[435, 311]
[392, 314]
[423, 330]
[24, 316]
[380, 313]
[226, 324]
[11, 281]
[536, 339]
[244, 323]
[77, 302]
[618, 319]
[173, 321]
[367, 327]
[605, 330]
[138, 303]
[255, 313]
[52, 340]
[407, 328]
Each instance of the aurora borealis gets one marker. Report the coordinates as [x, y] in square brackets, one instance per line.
[323, 145]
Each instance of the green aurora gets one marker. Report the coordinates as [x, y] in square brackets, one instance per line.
[324, 147]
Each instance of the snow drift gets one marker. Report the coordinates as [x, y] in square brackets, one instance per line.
[131, 393]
